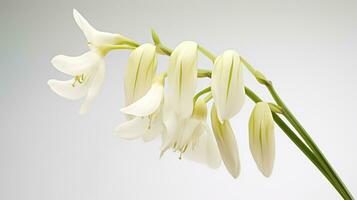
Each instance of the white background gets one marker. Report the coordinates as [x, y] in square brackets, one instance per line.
[49, 152]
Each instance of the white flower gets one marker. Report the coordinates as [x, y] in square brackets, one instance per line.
[227, 85]
[88, 69]
[226, 143]
[140, 72]
[89, 73]
[261, 138]
[96, 37]
[182, 77]
[147, 122]
[191, 136]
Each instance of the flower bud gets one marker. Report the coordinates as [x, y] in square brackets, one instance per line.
[140, 72]
[227, 85]
[261, 138]
[182, 77]
[226, 142]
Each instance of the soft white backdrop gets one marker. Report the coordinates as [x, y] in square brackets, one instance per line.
[47, 151]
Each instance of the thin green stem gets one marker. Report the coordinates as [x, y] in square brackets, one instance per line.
[204, 73]
[309, 141]
[207, 53]
[164, 49]
[200, 93]
[310, 150]
[131, 43]
[297, 141]
[248, 66]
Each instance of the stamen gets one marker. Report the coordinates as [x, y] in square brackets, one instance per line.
[79, 78]
[150, 121]
[184, 148]
[180, 157]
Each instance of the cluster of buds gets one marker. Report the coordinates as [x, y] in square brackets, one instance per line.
[166, 105]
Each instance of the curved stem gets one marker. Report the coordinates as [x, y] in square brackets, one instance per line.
[309, 141]
[300, 129]
[200, 93]
[207, 53]
[311, 151]
[298, 142]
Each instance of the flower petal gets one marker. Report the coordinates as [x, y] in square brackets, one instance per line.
[132, 129]
[77, 65]
[204, 150]
[261, 138]
[171, 121]
[182, 77]
[65, 89]
[156, 129]
[226, 143]
[94, 88]
[227, 85]
[148, 104]
[84, 25]
[140, 72]
[97, 37]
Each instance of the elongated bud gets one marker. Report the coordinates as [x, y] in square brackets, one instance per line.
[261, 138]
[227, 85]
[182, 77]
[140, 72]
[226, 143]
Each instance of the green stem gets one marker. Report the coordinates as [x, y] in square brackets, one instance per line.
[309, 141]
[200, 93]
[164, 49]
[207, 53]
[297, 141]
[313, 153]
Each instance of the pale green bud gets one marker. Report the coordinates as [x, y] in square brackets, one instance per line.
[140, 72]
[261, 137]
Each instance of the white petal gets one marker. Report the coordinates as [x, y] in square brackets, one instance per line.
[66, 90]
[77, 65]
[94, 88]
[261, 138]
[148, 104]
[84, 25]
[94, 36]
[226, 143]
[187, 129]
[156, 129]
[182, 77]
[171, 122]
[206, 150]
[227, 85]
[140, 72]
[132, 129]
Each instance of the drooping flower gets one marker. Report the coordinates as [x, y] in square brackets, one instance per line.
[226, 143]
[191, 137]
[140, 72]
[262, 138]
[147, 112]
[227, 85]
[88, 69]
[182, 77]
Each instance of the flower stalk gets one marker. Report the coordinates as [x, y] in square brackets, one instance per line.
[179, 115]
[311, 150]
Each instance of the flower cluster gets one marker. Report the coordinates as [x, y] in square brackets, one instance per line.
[167, 105]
